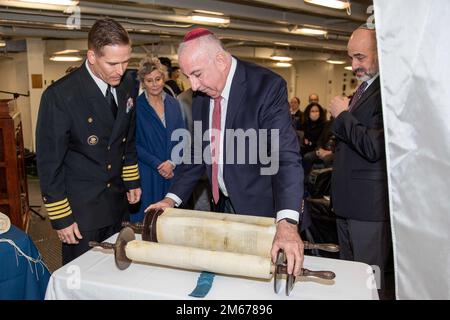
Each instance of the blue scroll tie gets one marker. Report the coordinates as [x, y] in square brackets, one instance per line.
[204, 284]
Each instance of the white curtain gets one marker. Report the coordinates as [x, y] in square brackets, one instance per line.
[414, 53]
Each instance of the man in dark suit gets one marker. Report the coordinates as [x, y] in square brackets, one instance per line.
[85, 142]
[233, 94]
[296, 113]
[359, 181]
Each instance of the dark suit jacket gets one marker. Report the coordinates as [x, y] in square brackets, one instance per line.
[359, 181]
[258, 100]
[86, 159]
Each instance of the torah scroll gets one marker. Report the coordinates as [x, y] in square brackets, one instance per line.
[229, 263]
[216, 231]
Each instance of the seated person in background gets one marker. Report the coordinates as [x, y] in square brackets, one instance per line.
[323, 153]
[314, 119]
[157, 116]
[313, 97]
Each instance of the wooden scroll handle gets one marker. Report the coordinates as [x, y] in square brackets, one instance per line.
[330, 247]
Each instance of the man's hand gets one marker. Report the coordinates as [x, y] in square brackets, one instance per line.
[165, 169]
[70, 234]
[134, 195]
[288, 239]
[164, 203]
[339, 104]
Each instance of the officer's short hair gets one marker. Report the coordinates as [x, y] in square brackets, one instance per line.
[107, 32]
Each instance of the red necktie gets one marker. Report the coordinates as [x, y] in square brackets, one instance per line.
[215, 148]
[358, 95]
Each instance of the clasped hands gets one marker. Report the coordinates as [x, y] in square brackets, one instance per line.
[339, 104]
[165, 169]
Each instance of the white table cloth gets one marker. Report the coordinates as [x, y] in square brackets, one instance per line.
[94, 275]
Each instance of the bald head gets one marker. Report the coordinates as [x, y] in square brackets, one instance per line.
[362, 50]
[205, 63]
[208, 44]
[365, 37]
[313, 97]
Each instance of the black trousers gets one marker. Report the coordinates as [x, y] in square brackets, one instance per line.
[368, 242]
[72, 251]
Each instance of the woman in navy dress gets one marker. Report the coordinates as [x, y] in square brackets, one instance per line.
[157, 116]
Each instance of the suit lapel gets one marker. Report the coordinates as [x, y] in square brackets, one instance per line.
[95, 100]
[237, 93]
[374, 87]
[204, 104]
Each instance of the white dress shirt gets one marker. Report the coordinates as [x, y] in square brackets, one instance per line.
[370, 81]
[223, 117]
[102, 85]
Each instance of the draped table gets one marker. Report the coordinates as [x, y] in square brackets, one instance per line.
[21, 278]
[94, 275]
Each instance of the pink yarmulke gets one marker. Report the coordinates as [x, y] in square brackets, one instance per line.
[196, 33]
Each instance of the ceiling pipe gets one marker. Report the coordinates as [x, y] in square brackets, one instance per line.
[266, 52]
[124, 11]
[358, 10]
[250, 12]
[59, 34]
[148, 18]
[283, 17]
[243, 35]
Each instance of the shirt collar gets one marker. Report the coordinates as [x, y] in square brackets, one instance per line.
[226, 90]
[371, 80]
[100, 83]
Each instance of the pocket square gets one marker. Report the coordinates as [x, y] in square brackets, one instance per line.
[130, 104]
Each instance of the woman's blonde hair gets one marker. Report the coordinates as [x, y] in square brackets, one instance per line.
[147, 66]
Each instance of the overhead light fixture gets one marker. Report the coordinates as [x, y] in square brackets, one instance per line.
[334, 4]
[282, 44]
[336, 61]
[67, 51]
[2, 43]
[55, 2]
[210, 19]
[349, 68]
[281, 58]
[209, 12]
[283, 64]
[309, 31]
[66, 58]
